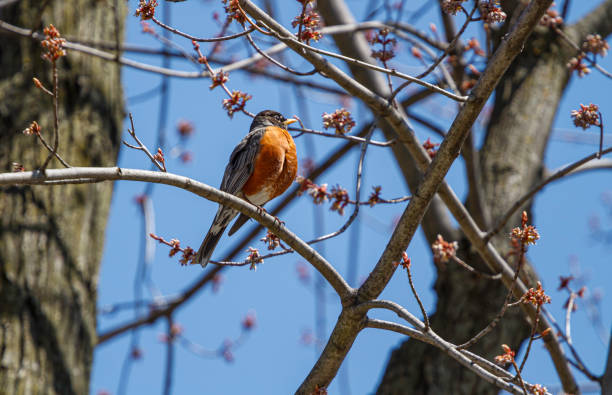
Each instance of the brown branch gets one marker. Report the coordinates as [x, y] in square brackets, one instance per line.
[199, 39]
[478, 273]
[471, 361]
[276, 62]
[55, 117]
[531, 338]
[499, 316]
[342, 337]
[518, 374]
[451, 47]
[416, 296]
[141, 146]
[557, 175]
[344, 136]
[50, 149]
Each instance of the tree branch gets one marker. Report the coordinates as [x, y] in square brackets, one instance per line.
[346, 329]
[198, 188]
[449, 349]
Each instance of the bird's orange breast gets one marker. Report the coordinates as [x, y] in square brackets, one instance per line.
[275, 166]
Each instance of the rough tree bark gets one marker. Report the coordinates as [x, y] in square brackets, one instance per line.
[51, 238]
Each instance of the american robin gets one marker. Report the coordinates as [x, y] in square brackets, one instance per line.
[261, 167]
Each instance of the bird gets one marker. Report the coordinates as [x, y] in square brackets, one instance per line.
[261, 167]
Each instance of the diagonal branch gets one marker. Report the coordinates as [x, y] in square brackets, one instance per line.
[347, 326]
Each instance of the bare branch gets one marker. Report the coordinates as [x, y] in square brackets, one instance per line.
[55, 117]
[141, 146]
[449, 350]
[343, 136]
[416, 296]
[115, 173]
[199, 39]
[565, 170]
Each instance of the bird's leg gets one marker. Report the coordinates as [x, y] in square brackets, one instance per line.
[261, 210]
[279, 221]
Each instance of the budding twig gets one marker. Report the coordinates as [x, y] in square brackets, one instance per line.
[531, 339]
[141, 147]
[276, 62]
[478, 273]
[416, 296]
[53, 151]
[520, 202]
[200, 39]
[520, 261]
[343, 136]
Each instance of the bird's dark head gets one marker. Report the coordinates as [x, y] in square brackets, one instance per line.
[271, 118]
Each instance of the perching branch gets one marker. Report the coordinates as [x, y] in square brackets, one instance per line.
[115, 173]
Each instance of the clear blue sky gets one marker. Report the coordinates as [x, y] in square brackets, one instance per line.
[273, 359]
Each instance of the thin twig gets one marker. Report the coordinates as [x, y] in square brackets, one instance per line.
[518, 374]
[447, 51]
[199, 39]
[345, 137]
[568, 317]
[212, 72]
[161, 310]
[520, 202]
[601, 132]
[55, 117]
[276, 62]
[478, 273]
[531, 338]
[244, 14]
[493, 324]
[578, 364]
[40, 86]
[141, 146]
[301, 20]
[360, 63]
[477, 364]
[592, 62]
[48, 147]
[416, 296]
[350, 220]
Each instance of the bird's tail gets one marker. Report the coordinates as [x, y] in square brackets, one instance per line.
[222, 219]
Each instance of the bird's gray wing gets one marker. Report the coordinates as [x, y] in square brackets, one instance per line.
[241, 162]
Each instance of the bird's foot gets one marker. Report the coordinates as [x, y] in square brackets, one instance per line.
[262, 210]
[276, 220]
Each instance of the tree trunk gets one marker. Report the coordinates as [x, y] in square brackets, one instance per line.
[511, 161]
[51, 238]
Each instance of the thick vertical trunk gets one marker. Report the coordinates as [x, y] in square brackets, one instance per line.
[51, 238]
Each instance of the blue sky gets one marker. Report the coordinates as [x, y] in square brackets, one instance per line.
[273, 357]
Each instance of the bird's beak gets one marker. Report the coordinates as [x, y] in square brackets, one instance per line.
[290, 121]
